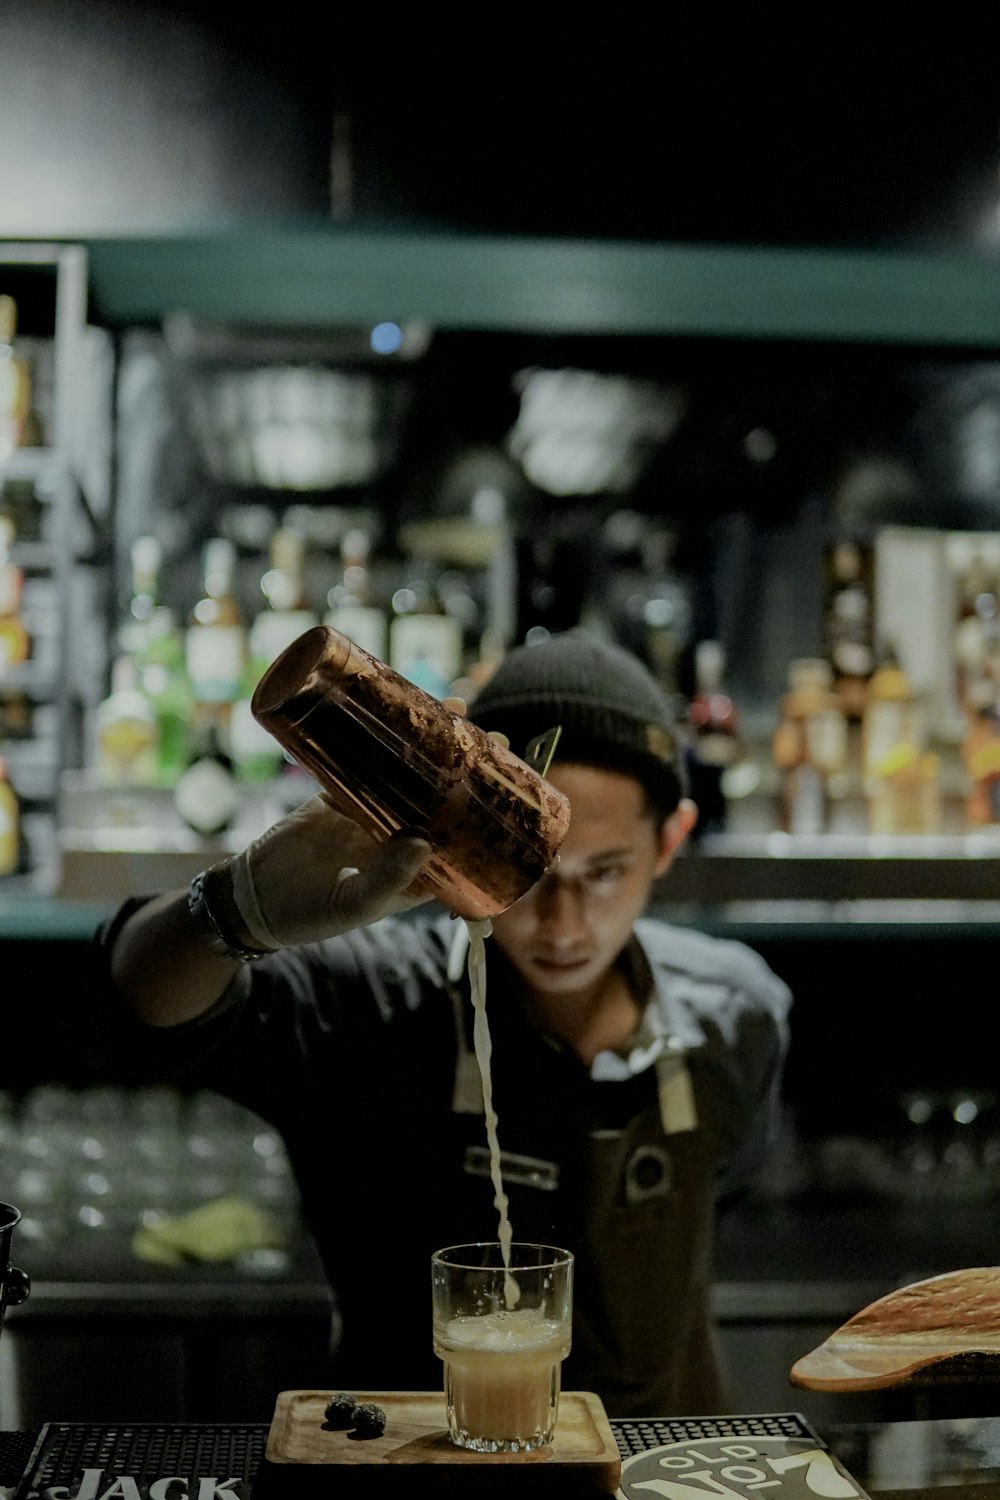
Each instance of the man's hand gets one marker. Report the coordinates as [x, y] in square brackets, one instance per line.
[316, 874]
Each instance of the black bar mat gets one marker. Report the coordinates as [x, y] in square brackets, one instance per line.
[88, 1459]
[667, 1457]
[15, 1450]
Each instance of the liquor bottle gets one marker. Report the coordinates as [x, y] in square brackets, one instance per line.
[15, 643]
[125, 729]
[207, 795]
[10, 824]
[256, 756]
[901, 777]
[164, 681]
[17, 713]
[16, 708]
[848, 624]
[809, 747]
[215, 644]
[287, 614]
[425, 643]
[134, 630]
[661, 601]
[21, 505]
[892, 717]
[351, 607]
[981, 756]
[714, 744]
[149, 635]
[974, 639]
[15, 383]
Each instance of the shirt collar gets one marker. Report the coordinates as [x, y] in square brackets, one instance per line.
[663, 1027]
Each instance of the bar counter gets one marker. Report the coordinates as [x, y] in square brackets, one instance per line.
[789, 1269]
[102, 1332]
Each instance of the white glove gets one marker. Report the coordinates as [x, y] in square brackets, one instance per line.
[316, 874]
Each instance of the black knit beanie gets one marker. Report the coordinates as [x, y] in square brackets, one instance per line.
[612, 711]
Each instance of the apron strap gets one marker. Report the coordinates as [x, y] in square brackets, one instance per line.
[678, 1111]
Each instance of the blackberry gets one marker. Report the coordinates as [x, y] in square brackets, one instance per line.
[340, 1410]
[369, 1420]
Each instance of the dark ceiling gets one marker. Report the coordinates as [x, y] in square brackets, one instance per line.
[663, 132]
[823, 161]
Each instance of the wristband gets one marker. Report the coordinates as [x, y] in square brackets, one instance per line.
[221, 938]
[247, 903]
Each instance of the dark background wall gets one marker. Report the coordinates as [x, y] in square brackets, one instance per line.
[125, 117]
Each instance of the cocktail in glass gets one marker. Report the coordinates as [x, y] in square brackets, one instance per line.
[502, 1330]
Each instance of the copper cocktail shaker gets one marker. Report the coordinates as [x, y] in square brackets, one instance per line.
[392, 757]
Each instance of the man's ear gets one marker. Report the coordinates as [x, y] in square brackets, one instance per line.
[673, 831]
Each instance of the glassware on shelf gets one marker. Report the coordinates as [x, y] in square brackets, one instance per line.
[949, 1145]
[89, 1165]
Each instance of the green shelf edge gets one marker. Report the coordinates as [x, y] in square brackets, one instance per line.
[331, 276]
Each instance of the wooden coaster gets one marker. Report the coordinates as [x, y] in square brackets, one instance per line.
[416, 1432]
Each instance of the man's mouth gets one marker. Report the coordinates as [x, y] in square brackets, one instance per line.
[559, 965]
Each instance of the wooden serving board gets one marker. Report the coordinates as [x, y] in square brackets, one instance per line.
[944, 1330]
[416, 1432]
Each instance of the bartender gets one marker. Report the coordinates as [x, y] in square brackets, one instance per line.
[636, 1066]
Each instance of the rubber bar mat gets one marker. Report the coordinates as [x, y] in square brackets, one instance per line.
[86, 1460]
[15, 1450]
[681, 1457]
[665, 1456]
[636, 1434]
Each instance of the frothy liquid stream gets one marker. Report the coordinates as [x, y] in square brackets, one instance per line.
[478, 933]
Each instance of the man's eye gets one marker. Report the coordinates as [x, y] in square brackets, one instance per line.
[606, 875]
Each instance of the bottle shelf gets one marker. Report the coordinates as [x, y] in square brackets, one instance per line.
[111, 838]
[43, 697]
[39, 686]
[837, 869]
[29, 463]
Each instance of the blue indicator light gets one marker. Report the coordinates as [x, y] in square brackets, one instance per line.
[386, 338]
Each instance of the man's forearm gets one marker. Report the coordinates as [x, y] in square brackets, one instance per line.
[162, 965]
[313, 875]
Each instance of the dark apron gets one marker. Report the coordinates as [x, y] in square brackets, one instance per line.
[622, 1175]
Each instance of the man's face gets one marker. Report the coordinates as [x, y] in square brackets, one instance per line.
[564, 935]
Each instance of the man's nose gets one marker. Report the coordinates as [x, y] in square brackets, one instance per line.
[561, 907]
